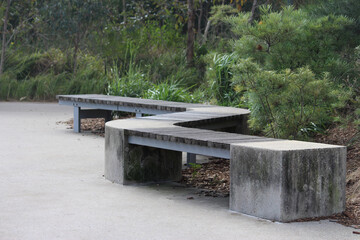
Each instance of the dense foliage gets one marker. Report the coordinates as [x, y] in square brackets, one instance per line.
[295, 64]
[289, 94]
[286, 104]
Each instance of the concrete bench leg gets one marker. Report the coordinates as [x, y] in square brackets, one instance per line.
[287, 180]
[126, 163]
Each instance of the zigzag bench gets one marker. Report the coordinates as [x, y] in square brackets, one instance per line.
[275, 179]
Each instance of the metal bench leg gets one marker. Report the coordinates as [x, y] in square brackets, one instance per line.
[77, 119]
[190, 158]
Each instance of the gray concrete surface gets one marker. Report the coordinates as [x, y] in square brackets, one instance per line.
[287, 180]
[52, 187]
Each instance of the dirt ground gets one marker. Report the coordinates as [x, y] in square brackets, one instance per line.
[348, 136]
[213, 180]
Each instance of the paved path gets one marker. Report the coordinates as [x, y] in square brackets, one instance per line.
[51, 187]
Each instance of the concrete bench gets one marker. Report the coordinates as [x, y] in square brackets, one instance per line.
[275, 179]
[101, 106]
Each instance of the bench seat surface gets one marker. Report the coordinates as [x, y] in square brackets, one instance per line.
[144, 103]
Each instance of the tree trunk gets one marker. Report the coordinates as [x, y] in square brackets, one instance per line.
[200, 18]
[251, 19]
[3, 47]
[206, 31]
[124, 10]
[191, 35]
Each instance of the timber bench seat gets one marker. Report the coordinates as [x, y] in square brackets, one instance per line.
[96, 105]
[275, 179]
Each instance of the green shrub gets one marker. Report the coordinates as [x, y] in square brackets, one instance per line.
[172, 66]
[171, 91]
[288, 104]
[146, 41]
[292, 39]
[42, 76]
[157, 50]
[26, 65]
[7, 86]
[136, 84]
[219, 75]
[348, 8]
[132, 84]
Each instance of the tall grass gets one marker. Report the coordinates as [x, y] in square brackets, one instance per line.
[42, 76]
[171, 91]
[219, 79]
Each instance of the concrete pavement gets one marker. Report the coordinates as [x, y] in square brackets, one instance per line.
[52, 187]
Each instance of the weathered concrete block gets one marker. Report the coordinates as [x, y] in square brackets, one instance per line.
[115, 143]
[126, 163]
[287, 180]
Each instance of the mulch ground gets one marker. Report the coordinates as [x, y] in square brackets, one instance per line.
[348, 136]
[212, 178]
[93, 125]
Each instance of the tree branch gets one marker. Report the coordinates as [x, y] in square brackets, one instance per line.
[251, 19]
